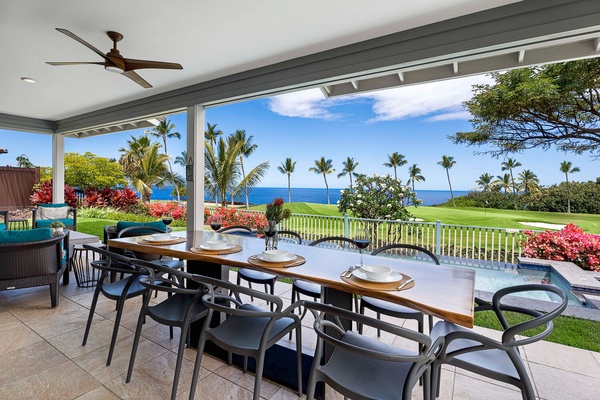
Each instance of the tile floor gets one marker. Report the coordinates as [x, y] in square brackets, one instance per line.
[42, 358]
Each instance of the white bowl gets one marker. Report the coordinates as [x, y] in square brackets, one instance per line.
[376, 272]
[216, 244]
[160, 236]
[275, 255]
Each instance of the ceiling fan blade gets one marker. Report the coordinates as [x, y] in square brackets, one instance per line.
[56, 64]
[137, 79]
[131, 64]
[83, 42]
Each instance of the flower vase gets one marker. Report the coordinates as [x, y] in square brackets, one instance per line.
[271, 238]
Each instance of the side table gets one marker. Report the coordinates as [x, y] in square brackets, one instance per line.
[85, 274]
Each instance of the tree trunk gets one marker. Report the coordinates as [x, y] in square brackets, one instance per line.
[244, 178]
[171, 171]
[289, 192]
[326, 187]
[514, 189]
[450, 184]
[568, 194]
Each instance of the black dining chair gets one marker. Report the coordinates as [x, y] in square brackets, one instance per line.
[126, 288]
[246, 330]
[313, 290]
[250, 275]
[361, 367]
[156, 259]
[180, 308]
[498, 359]
[404, 251]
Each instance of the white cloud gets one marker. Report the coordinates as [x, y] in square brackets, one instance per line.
[444, 98]
[305, 104]
[440, 101]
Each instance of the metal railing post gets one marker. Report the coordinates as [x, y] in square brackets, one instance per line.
[438, 238]
[346, 225]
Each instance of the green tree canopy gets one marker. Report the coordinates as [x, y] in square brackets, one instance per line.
[554, 105]
[88, 170]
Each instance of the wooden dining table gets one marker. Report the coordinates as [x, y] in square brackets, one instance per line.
[442, 291]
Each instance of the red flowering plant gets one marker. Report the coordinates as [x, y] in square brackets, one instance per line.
[231, 216]
[276, 212]
[157, 209]
[569, 244]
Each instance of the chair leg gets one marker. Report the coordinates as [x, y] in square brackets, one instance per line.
[378, 330]
[272, 284]
[361, 310]
[179, 361]
[113, 340]
[54, 293]
[136, 341]
[197, 363]
[299, 357]
[90, 316]
[260, 363]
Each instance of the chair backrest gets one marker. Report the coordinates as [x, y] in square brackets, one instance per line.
[411, 251]
[539, 318]
[170, 280]
[236, 230]
[329, 326]
[290, 236]
[113, 262]
[138, 231]
[335, 242]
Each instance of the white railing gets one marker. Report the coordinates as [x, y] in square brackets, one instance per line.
[478, 246]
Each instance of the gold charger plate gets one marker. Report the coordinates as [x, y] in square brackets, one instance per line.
[353, 280]
[162, 242]
[254, 260]
[234, 249]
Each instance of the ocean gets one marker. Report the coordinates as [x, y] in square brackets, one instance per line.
[263, 195]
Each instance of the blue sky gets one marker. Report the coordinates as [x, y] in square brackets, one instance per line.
[414, 121]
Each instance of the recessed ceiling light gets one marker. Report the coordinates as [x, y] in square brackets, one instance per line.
[28, 80]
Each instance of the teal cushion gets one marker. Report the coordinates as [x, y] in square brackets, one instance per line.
[2, 227]
[29, 235]
[53, 205]
[156, 224]
[45, 223]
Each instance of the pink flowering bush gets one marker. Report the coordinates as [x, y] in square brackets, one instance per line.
[158, 209]
[568, 244]
[231, 216]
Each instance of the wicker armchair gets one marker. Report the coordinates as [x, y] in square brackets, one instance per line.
[31, 264]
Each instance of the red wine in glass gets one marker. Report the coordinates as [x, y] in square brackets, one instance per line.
[216, 223]
[362, 243]
[167, 219]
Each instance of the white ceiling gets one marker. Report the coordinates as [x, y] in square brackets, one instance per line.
[211, 39]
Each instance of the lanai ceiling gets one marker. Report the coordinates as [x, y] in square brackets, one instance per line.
[232, 50]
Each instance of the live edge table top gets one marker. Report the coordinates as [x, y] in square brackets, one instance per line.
[441, 291]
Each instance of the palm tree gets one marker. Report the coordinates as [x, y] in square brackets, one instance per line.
[145, 166]
[414, 174]
[246, 149]
[447, 162]
[509, 165]
[503, 182]
[529, 182]
[182, 159]
[211, 133]
[394, 161]
[565, 167]
[164, 131]
[324, 167]
[23, 162]
[287, 167]
[485, 182]
[349, 167]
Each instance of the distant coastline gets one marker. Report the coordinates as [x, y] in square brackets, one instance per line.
[263, 195]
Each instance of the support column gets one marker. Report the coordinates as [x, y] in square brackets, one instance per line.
[194, 174]
[58, 168]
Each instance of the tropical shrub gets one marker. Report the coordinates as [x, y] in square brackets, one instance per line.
[158, 209]
[568, 244]
[42, 194]
[122, 199]
[231, 216]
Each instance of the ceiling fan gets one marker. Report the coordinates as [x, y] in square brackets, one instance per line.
[115, 62]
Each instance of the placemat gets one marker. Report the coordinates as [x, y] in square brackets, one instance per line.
[234, 249]
[162, 242]
[379, 286]
[299, 260]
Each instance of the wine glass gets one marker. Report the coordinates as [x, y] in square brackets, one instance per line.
[216, 222]
[362, 242]
[167, 218]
